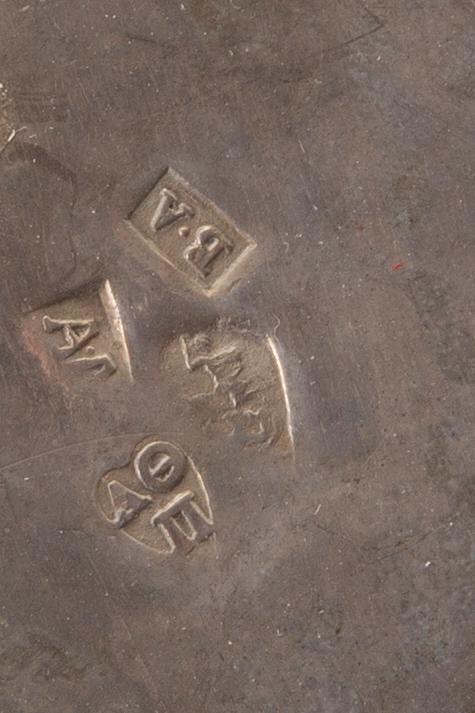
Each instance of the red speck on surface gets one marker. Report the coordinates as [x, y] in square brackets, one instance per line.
[397, 266]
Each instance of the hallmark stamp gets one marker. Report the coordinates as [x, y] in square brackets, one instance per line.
[83, 335]
[77, 334]
[234, 382]
[198, 524]
[189, 232]
[158, 499]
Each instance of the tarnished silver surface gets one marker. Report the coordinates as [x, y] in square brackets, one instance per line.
[237, 356]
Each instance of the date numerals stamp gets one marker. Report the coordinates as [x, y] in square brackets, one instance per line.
[189, 232]
[158, 499]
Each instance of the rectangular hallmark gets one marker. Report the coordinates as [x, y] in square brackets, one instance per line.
[189, 232]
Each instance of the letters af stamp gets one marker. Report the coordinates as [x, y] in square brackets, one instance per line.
[158, 499]
[74, 346]
[83, 335]
[189, 232]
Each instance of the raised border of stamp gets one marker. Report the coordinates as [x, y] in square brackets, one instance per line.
[111, 308]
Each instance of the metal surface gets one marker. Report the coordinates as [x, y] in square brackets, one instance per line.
[237, 356]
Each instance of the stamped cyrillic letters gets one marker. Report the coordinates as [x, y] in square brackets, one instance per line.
[158, 499]
[76, 334]
[189, 232]
[196, 526]
[83, 336]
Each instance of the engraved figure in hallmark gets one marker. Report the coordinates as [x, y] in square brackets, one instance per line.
[168, 210]
[235, 382]
[141, 499]
[77, 333]
[183, 523]
[232, 390]
[208, 245]
[254, 427]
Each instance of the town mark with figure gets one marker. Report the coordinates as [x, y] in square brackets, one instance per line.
[234, 382]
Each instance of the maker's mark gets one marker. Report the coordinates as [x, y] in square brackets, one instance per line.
[189, 232]
[83, 335]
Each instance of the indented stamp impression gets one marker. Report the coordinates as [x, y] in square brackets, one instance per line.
[83, 335]
[189, 232]
[158, 499]
[234, 381]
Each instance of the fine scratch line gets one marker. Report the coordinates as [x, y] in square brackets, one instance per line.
[89, 441]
